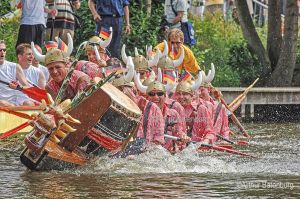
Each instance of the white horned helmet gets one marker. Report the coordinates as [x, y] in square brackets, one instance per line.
[54, 54]
[188, 87]
[140, 62]
[210, 75]
[125, 79]
[142, 87]
[165, 62]
[97, 44]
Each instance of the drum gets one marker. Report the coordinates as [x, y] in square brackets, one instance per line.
[119, 121]
[108, 117]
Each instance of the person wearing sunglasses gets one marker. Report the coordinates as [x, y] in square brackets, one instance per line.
[156, 93]
[198, 119]
[11, 73]
[174, 45]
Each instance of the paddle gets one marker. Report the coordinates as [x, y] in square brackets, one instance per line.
[19, 114]
[239, 142]
[243, 95]
[218, 148]
[14, 130]
[33, 92]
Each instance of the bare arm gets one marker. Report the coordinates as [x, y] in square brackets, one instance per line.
[42, 80]
[178, 17]
[127, 24]
[92, 7]
[21, 77]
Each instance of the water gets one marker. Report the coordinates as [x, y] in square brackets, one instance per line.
[157, 174]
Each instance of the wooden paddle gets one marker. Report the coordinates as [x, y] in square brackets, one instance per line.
[242, 96]
[19, 114]
[14, 130]
[214, 147]
[33, 92]
[239, 142]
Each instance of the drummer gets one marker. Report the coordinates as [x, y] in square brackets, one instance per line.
[55, 61]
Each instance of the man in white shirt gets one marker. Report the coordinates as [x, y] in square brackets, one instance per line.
[11, 72]
[34, 75]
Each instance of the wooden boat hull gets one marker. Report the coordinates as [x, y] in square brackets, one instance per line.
[103, 113]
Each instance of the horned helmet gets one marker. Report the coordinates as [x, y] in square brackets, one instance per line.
[142, 87]
[140, 62]
[210, 75]
[165, 62]
[97, 44]
[156, 86]
[54, 54]
[189, 87]
[125, 79]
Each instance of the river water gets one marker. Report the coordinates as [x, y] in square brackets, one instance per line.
[157, 174]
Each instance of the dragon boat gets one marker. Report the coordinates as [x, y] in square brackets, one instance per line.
[103, 115]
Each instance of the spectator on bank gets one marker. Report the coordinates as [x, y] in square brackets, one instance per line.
[64, 21]
[176, 14]
[108, 14]
[34, 75]
[32, 24]
[11, 72]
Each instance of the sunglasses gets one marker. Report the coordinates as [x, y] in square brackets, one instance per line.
[158, 94]
[3, 49]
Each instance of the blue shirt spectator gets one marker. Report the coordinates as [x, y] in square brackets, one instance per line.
[111, 7]
[109, 13]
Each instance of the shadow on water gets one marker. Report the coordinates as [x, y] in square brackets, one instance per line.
[275, 174]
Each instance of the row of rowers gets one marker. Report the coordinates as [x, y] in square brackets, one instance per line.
[29, 72]
[181, 108]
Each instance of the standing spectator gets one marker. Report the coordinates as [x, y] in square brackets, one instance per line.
[32, 24]
[109, 13]
[176, 12]
[64, 21]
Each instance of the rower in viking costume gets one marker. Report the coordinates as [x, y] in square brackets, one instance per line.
[151, 130]
[95, 49]
[198, 119]
[175, 47]
[173, 104]
[219, 111]
[156, 93]
[55, 61]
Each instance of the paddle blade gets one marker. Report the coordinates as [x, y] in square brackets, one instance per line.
[218, 148]
[36, 94]
[242, 142]
[13, 131]
[19, 114]
[227, 146]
